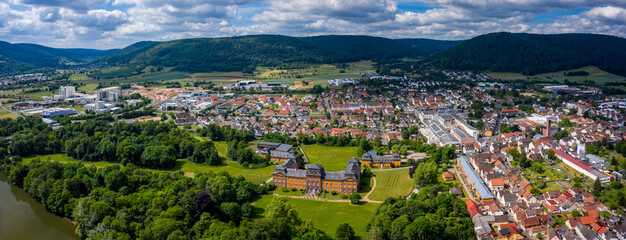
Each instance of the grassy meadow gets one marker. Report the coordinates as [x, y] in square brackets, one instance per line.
[327, 215]
[331, 158]
[395, 183]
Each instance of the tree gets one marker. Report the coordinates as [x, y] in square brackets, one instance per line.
[344, 232]
[597, 185]
[565, 122]
[551, 155]
[425, 174]
[355, 198]
[539, 236]
[592, 149]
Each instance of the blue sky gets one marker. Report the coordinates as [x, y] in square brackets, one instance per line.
[104, 24]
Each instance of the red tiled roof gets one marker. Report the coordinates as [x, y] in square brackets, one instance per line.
[472, 208]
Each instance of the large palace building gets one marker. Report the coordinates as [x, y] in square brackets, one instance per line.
[313, 178]
[372, 159]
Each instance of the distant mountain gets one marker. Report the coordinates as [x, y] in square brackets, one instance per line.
[246, 52]
[23, 57]
[531, 54]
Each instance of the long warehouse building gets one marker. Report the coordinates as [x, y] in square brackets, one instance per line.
[478, 185]
[580, 166]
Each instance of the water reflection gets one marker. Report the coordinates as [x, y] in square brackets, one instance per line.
[21, 217]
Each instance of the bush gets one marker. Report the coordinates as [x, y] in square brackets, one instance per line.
[355, 198]
[284, 189]
[294, 189]
[333, 192]
[344, 196]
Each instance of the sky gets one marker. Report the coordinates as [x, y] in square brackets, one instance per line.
[105, 24]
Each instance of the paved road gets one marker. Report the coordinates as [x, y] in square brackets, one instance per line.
[306, 160]
[462, 180]
[366, 198]
[11, 111]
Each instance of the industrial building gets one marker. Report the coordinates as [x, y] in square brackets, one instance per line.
[53, 112]
[445, 128]
[581, 167]
[479, 188]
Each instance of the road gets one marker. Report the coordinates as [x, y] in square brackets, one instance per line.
[11, 111]
[462, 180]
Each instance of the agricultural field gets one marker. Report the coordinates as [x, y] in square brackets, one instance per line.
[394, 183]
[5, 114]
[334, 213]
[595, 74]
[316, 72]
[331, 158]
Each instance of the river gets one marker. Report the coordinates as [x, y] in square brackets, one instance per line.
[23, 218]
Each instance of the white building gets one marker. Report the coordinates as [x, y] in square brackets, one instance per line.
[110, 94]
[53, 112]
[66, 92]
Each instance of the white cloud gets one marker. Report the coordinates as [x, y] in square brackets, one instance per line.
[603, 20]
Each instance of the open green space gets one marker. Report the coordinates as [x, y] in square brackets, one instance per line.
[259, 175]
[395, 183]
[327, 215]
[331, 158]
[595, 74]
[5, 114]
[67, 159]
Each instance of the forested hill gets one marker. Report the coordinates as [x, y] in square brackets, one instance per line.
[429, 46]
[17, 58]
[246, 52]
[535, 53]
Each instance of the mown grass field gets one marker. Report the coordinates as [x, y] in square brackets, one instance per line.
[190, 168]
[395, 183]
[331, 158]
[327, 215]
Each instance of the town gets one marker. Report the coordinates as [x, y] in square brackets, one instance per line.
[531, 161]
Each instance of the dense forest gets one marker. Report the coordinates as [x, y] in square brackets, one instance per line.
[18, 58]
[130, 203]
[531, 54]
[150, 144]
[247, 52]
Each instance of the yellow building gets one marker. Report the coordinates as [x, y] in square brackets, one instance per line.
[372, 159]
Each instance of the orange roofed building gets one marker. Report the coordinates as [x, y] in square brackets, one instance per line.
[315, 179]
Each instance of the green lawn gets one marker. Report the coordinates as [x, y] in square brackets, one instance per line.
[222, 148]
[259, 175]
[396, 183]
[331, 158]
[327, 215]
[66, 159]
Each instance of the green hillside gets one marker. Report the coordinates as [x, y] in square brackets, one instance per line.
[248, 52]
[20, 58]
[429, 46]
[532, 54]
